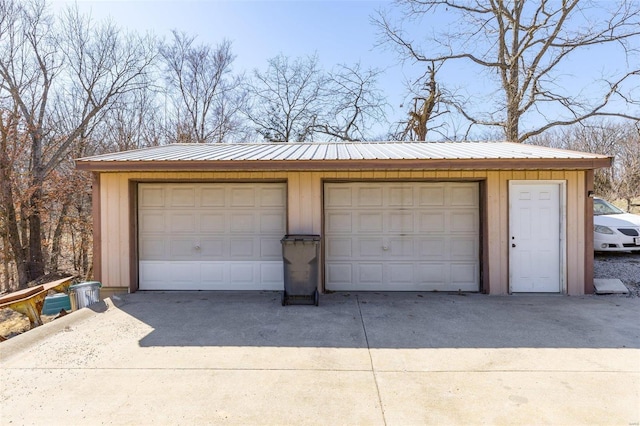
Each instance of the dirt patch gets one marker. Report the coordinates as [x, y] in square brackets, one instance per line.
[13, 323]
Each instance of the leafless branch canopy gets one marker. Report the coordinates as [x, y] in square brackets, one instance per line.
[522, 47]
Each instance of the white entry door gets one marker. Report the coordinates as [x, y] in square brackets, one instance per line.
[535, 240]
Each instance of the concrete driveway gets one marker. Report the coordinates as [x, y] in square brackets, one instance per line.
[367, 358]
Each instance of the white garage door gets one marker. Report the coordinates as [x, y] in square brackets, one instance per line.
[213, 236]
[408, 236]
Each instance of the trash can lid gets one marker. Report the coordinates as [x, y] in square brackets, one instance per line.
[301, 237]
[87, 284]
[57, 296]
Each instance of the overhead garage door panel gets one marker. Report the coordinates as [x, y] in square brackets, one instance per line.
[402, 236]
[211, 236]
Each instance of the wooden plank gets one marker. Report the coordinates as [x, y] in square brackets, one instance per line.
[19, 295]
[29, 301]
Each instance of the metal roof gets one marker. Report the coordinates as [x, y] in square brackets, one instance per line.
[333, 155]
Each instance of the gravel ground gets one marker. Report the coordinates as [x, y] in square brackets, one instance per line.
[624, 266]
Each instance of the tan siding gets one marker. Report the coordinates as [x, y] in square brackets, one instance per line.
[96, 214]
[496, 282]
[304, 204]
[581, 245]
[316, 201]
[115, 230]
[575, 234]
[293, 204]
[571, 227]
[588, 232]
[532, 174]
[123, 232]
[306, 197]
[503, 244]
[519, 175]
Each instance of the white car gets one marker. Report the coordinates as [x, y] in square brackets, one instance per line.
[614, 230]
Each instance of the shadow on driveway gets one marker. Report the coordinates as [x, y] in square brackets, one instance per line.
[385, 320]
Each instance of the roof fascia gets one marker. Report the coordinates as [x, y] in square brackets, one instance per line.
[302, 165]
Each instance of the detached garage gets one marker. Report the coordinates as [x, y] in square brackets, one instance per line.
[496, 218]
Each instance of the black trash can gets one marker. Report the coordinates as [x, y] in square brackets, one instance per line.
[300, 258]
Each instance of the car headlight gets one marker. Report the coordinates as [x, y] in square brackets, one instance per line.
[602, 229]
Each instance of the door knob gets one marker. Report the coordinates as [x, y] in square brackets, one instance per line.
[513, 245]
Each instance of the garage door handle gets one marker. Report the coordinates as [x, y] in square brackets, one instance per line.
[197, 247]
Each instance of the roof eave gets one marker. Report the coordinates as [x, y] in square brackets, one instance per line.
[301, 165]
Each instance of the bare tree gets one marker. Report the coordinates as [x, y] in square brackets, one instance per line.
[134, 121]
[428, 103]
[60, 76]
[354, 103]
[12, 156]
[618, 140]
[205, 95]
[628, 162]
[287, 99]
[521, 47]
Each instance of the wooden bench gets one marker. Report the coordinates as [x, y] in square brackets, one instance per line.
[30, 300]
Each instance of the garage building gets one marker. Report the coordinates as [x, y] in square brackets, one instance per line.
[491, 217]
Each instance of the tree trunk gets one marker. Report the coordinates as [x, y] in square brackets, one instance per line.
[57, 236]
[35, 263]
[11, 218]
[84, 250]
